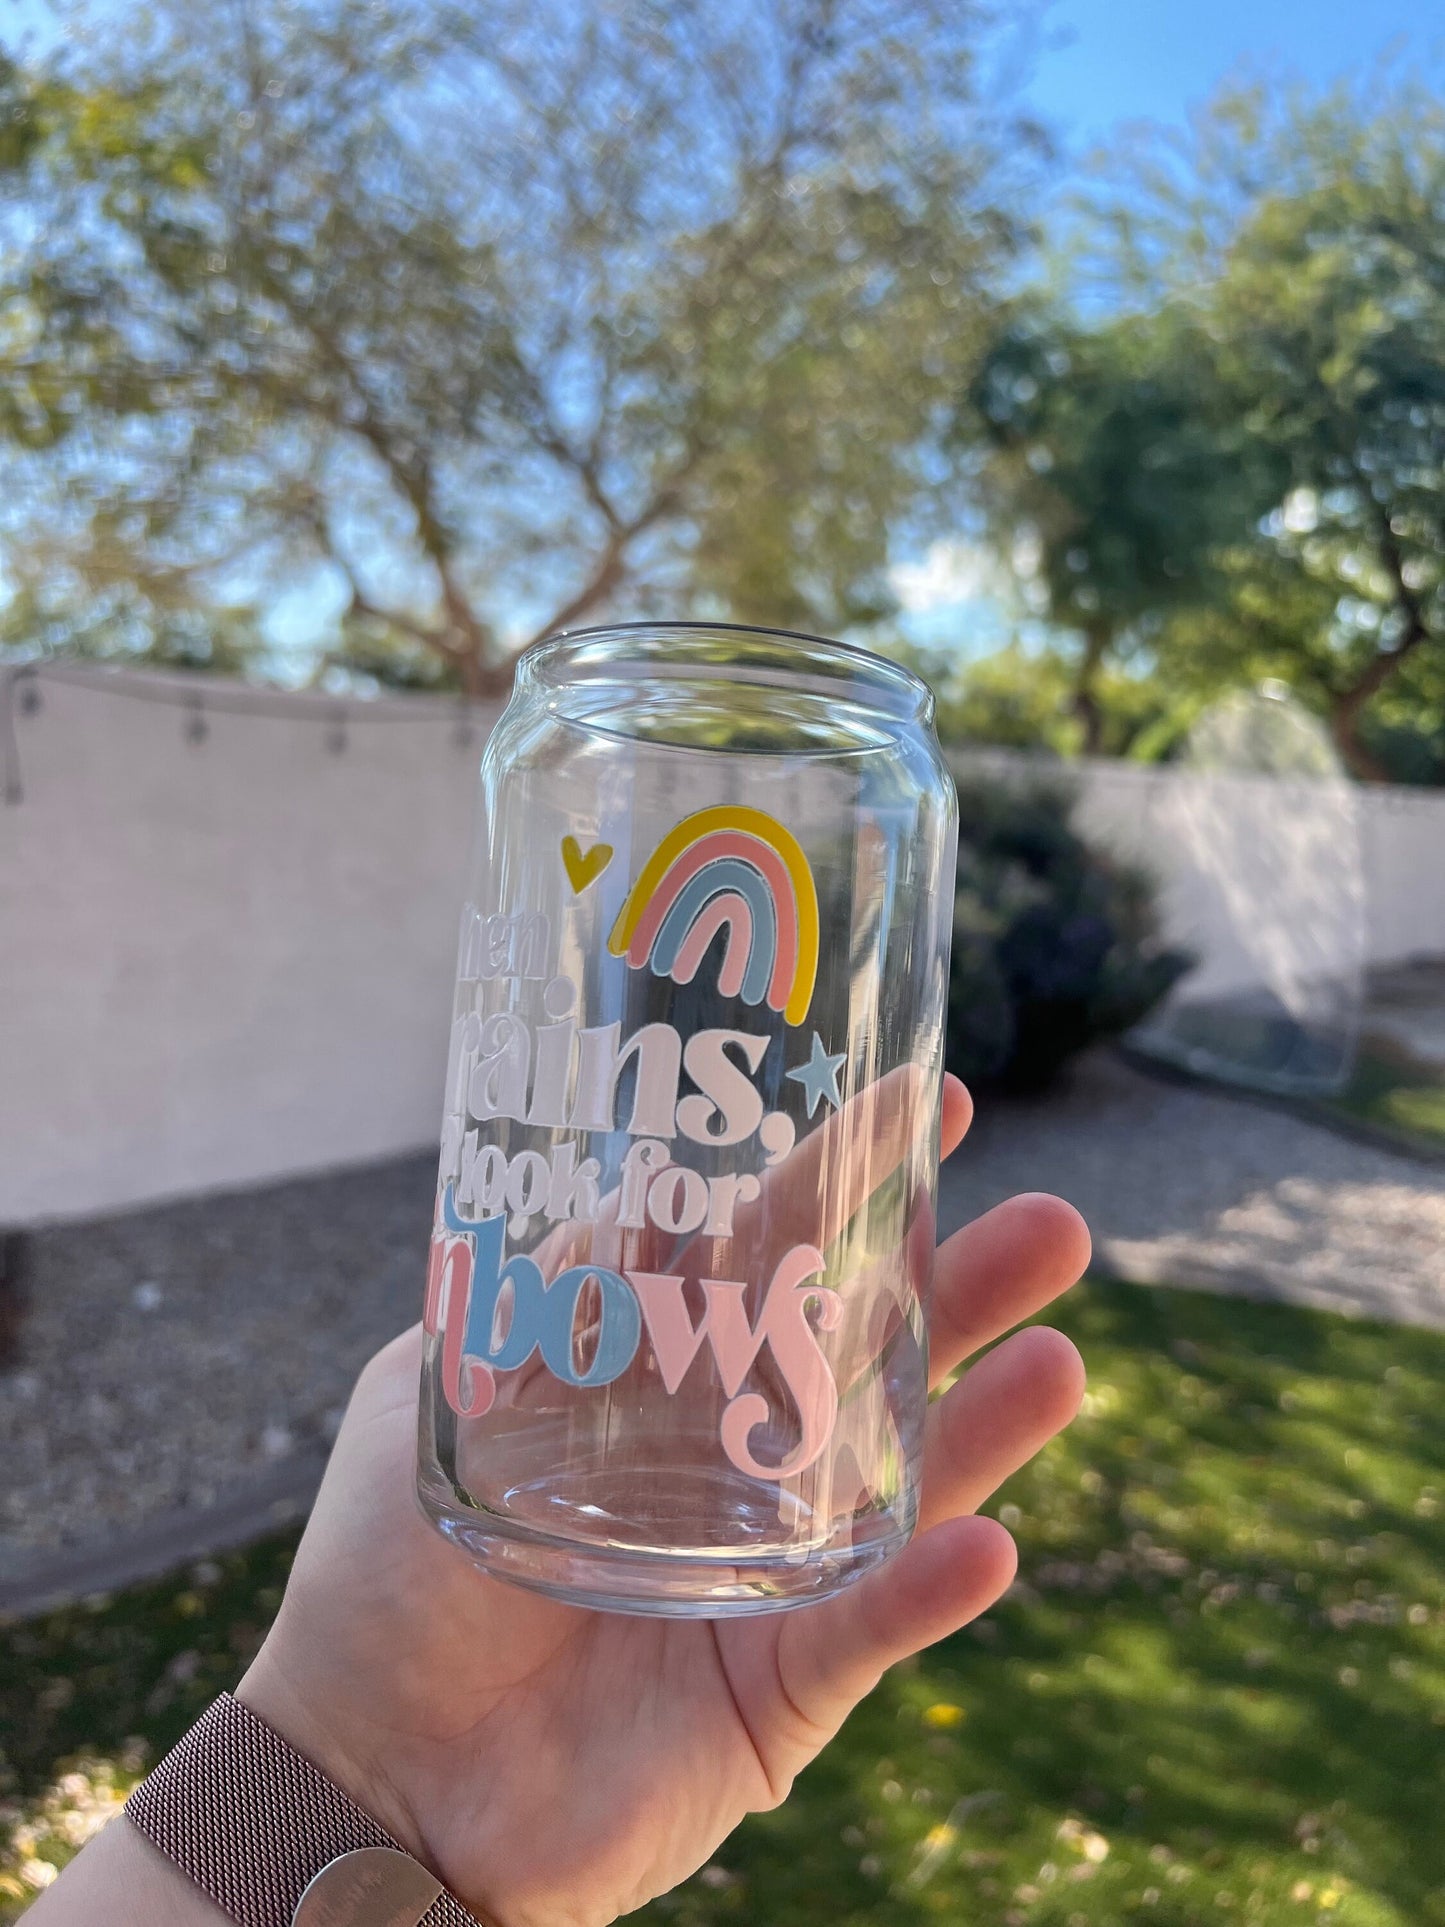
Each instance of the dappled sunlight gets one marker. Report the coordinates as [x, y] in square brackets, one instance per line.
[1216, 1687]
[1215, 1690]
[345, 352]
[1183, 1182]
[38, 1836]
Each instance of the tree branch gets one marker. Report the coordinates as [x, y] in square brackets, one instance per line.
[1098, 638]
[600, 584]
[612, 562]
[362, 605]
[1349, 704]
[411, 477]
[1383, 665]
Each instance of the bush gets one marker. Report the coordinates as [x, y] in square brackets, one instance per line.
[1054, 945]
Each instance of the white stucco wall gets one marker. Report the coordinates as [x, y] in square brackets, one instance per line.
[1262, 875]
[221, 960]
[230, 959]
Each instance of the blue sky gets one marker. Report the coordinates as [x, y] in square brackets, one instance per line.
[1104, 61]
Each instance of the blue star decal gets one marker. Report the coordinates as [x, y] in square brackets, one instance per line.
[819, 1076]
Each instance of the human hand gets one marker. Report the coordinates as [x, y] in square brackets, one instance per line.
[558, 1767]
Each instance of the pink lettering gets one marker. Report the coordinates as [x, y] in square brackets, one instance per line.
[783, 1324]
[468, 1385]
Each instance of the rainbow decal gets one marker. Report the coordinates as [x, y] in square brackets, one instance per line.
[735, 867]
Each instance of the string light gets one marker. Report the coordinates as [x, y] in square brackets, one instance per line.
[20, 694]
[9, 748]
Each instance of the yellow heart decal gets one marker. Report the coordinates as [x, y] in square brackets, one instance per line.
[582, 870]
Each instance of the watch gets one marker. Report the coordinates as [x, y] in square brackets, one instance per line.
[266, 1836]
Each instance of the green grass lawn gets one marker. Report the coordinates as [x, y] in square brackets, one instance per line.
[1218, 1692]
[1405, 1102]
[1400, 1100]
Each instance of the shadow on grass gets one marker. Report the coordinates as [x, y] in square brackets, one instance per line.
[1220, 1685]
[1219, 1688]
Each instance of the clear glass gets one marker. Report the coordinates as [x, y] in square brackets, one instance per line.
[676, 1355]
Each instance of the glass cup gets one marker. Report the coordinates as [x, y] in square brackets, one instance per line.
[676, 1351]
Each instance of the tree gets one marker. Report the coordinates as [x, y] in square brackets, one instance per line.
[1013, 698]
[1308, 237]
[489, 323]
[1115, 472]
[1404, 727]
[1021, 698]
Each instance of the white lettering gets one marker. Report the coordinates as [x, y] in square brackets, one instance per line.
[677, 1199]
[498, 1086]
[724, 1195]
[648, 1154]
[658, 1050]
[573, 1191]
[729, 1108]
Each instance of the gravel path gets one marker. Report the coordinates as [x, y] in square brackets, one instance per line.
[1183, 1186]
[178, 1354]
[191, 1362]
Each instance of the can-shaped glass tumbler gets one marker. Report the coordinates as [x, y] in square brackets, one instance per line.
[677, 1297]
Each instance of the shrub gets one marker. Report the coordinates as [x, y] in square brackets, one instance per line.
[1055, 946]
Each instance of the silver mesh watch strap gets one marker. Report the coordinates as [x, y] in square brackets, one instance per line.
[252, 1823]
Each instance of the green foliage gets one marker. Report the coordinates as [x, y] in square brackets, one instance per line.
[1307, 238]
[1226, 462]
[1016, 698]
[91, 1697]
[1402, 1100]
[1054, 946]
[486, 324]
[1116, 469]
[160, 631]
[21, 119]
[1221, 1673]
[1024, 698]
[1281, 623]
[475, 329]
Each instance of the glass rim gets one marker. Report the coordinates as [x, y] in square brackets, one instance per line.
[843, 662]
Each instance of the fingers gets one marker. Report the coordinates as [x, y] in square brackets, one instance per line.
[957, 1116]
[807, 1199]
[1010, 1404]
[828, 1658]
[810, 1197]
[398, 1356]
[1000, 1270]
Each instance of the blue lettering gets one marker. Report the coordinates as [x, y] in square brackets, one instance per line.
[542, 1317]
[619, 1325]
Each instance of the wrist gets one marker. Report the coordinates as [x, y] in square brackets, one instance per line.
[271, 1838]
[122, 1879]
[327, 1735]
